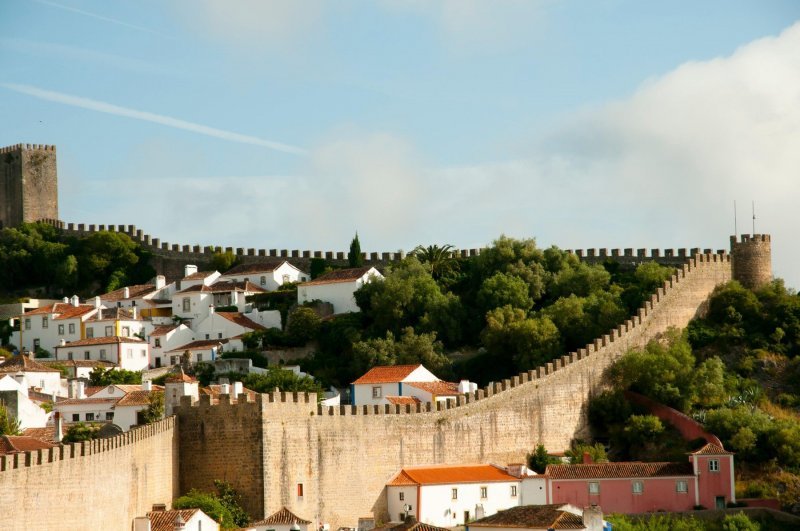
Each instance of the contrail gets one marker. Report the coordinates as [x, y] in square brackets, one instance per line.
[109, 108]
[95, 15]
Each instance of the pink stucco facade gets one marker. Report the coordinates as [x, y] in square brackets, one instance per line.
[618, 496]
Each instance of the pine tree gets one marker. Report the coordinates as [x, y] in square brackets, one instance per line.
[355, 257]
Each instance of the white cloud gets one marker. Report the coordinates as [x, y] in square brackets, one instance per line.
[96, 16]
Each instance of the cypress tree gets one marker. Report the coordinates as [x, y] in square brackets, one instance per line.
[354, 256]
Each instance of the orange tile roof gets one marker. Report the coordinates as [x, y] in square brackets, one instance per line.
[138, 290]
[437, 388]
[230, 285]
[22, 362]
[78, 363]
[202, 344]
[402, 400]
[339, 275]
[181, 377]
[282, 517]
[46, 434]
[532, 517]
[411, 525]
[449, 474]
[255, 267]
[711, 449]
[104, 340]
[387, 374]
[136, 398]
[89, 400]
[63, 310]
[165, 520]
[199, 275]
[239, 319]
[162, 330]
[618, 470]
[13, 444]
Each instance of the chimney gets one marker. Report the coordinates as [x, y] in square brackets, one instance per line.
[210, 309]
[587, 458]
[189, 270]
[134, 312]
[147, 385]
[126, 292]
[463, 386]
[75, 301]
[97, 302]
[62, 342]
[225, 389]
[65, 300]
[59, 434]
[79, 392]
[180, 524]
[593, 518]
[238, 389]
[516, 469]
[100, 313]
[161, 282]
[20, 378]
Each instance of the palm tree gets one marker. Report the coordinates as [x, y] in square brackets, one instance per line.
[441, 260]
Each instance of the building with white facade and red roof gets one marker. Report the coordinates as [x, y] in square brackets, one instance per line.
[268, 275]
[130, 353]
[337, 288]
[378, 383]
[45, 327]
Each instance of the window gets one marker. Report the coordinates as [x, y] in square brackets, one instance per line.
[402, 496]
[143, 353]
[109, 415]
[90, 416]
[130, 353]
[109, 331]
[376, 391]
[285, 279]
[86, 355]
[36, 343]
[126, 331]
[513, 491]
[402, 517]
[102, 353]
[90, 332]
[61, 330]
[455, 494]
[263, 281]
[713, 465]
[187, 304]
[76, 417]
[71, 328]
[207, 336]
[594, 487]
[219, 335]
[69, 355]
[158, 342]
[484, 493]
[638, 487]
[682, 486]
[44, 322]
[299, 490]
[199, 358]
[133, 303]
[173, 360]
[27, 324]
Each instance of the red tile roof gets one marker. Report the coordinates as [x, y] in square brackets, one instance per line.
[436, 388]
[63, 310]
[244, 286]
[619, 470]
[711, 449]
[202, 344]
[199, 275]
[165, 520]
[105, 340]
[111, 314]
[46, 434]
[136, 398]
[241, 320]
[387, 374]
[339, 275]
[255, 267]
[448, 474]
[282, 517]
[532, 517]
[23, 363]
[136, 291]
[402, 400]
[89, 400]
[181, 377]
[162, 330]
[13, 444]
[78, 363]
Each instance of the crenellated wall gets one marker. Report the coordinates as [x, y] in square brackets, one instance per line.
[344, 455]
[89, 486]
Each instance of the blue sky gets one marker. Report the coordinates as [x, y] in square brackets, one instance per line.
[294, 123]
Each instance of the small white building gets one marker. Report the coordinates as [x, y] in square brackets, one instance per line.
[178, 520]
[451, 495]
[46, 327]
[378, 383]
[130, 353]
[31, 373]
[108, 322]
[14, 395]
[197, 302]
[283, 520]
[202, 350]
[227, 325]
[178, 386]
[117, 403]
[268, 275]
[165, 338]
[337, 288]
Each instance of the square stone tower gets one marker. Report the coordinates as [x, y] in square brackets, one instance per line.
[28, 184]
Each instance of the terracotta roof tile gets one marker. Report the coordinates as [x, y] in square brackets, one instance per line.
[402, 400]
[46, 434]
[244, 286]
[181, 377]
[241, 320]
[79, 363]
[22, 362]
[112, 314]
[711, 449]
[200, 275]
[411, 525]
[387, 374]
[444, 474]
[532, 516]
[105, 340]
[63, 310]
[202, 344]
[71, 312]
[283, 516]
[162, 330]
[339, 275]
[134, 292]
[436, 388]
[255, 267]
[12, 444]
[136, 398]
[165, 520]
[618, 470]
[87, 401]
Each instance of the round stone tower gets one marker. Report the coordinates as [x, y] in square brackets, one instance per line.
[752, 260]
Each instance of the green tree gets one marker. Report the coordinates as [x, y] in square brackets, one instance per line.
[303, 325]
[209, 504]
[232, 500]
[318, 266]
[502, 289]
[520, 341]
[520, 258]
[8, 424]
[538, 460]
[642, 430]
[283, 380]
[101, 377]
[576, 452]
[223, 261]
[739, 522]
[155, 408]
[354, 256]
[440, 260]
[411, 348]
[82, 432]
[103, 254]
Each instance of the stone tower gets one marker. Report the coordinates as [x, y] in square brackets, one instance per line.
[752, 259]
[28, 184]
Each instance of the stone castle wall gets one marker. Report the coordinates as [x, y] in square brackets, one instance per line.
[90, 486]
[28, 184]
[343, 456]
[752, 259]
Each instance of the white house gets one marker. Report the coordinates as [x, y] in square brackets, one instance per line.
[46, 327]
[228, 325]
[76, 368]
[283, 520]
[108, 322]
[178, 386]
[269, 275]
[378, 383]
[337, 288]
[115, 403]
[152, 300]
[130, 353]
[183, 520]
[451, 495]
[14, 395]
[199, 351]
[127, 408]
[198, 301]
[165, 338]
[32, 374]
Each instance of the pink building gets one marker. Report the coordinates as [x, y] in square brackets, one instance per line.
[706, 479]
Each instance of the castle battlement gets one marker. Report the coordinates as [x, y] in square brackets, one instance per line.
[29, 147]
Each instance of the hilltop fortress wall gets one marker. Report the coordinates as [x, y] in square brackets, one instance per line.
[101, 484]
[343, 456]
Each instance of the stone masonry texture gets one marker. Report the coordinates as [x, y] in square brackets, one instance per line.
[28, 184]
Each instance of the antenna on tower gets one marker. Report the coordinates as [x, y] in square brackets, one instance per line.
[754, 217]
[735, 230]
